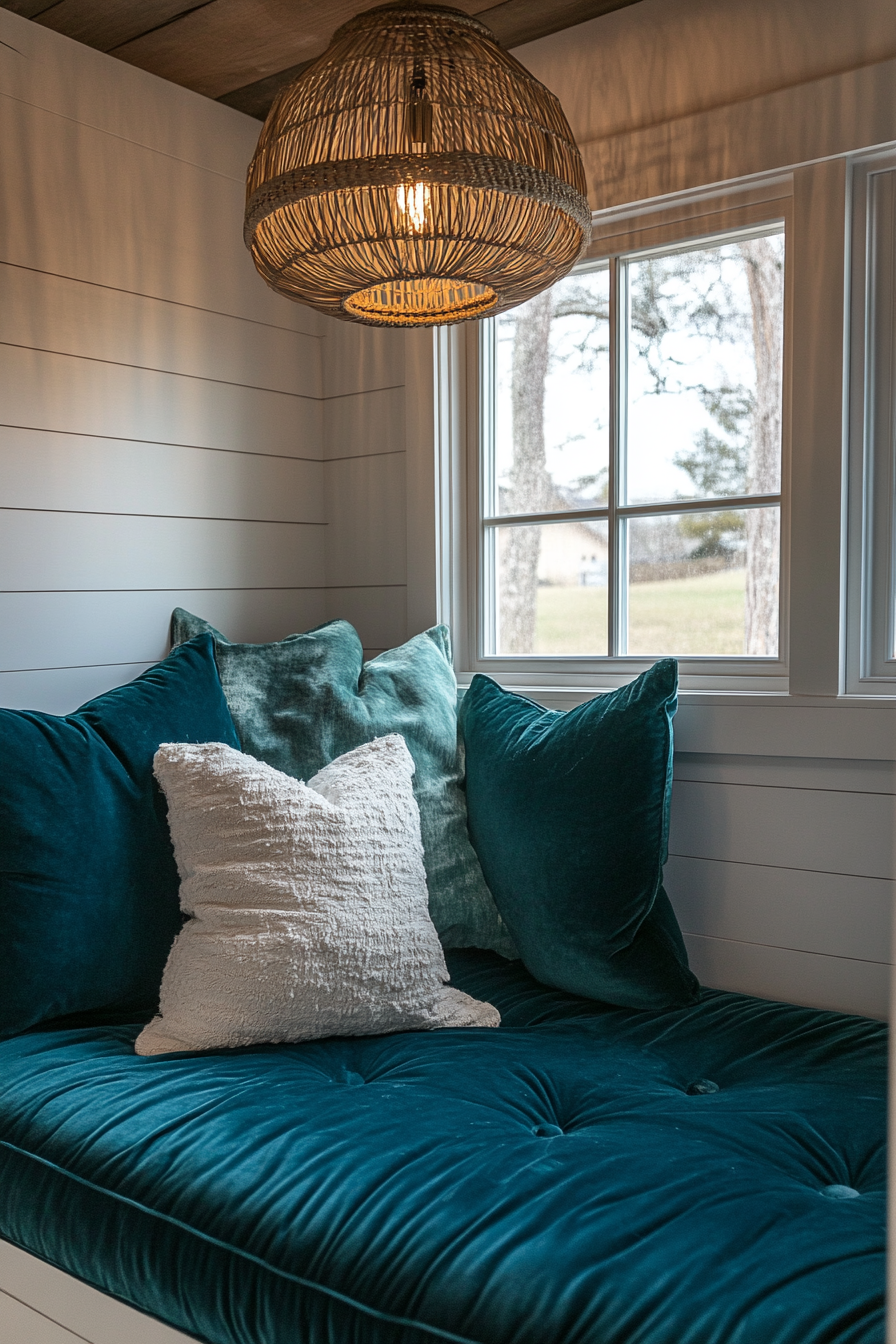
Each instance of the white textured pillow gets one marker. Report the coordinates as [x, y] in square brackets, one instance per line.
[308, 903]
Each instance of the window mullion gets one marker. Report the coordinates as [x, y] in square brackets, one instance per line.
[534, 519]
[704, 504]
[616, 612]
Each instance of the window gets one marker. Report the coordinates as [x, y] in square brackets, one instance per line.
[631, 477]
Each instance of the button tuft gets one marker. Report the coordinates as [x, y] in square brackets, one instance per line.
[840, 1192]
[548, 1131]
[703, 1087]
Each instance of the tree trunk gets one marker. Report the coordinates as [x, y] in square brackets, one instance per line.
[530, 485]
[765, 278]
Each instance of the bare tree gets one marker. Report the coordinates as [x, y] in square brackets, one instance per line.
[743, 461]
[530, 488]
[765, 278]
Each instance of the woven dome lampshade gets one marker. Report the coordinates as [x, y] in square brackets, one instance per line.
[415, 174]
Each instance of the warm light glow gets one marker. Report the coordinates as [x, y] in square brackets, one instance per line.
[413, 202]
[412, 303]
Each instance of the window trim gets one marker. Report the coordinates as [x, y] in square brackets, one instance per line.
[869, 615]
[702, 217]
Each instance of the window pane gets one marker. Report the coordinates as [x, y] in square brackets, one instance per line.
[551, 589]
[704, 583]
[552, 398]
[705, 339]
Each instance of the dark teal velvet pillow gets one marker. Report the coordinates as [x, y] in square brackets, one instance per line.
[569, 814]
[301, 702]
[88, 884]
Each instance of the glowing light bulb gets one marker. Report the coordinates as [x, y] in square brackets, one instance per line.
[413, 202]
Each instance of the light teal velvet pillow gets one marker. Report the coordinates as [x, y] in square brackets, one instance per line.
[307, 699]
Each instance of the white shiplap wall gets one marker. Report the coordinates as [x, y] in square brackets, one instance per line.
[782, 849]
[171, 432]
[161, 412]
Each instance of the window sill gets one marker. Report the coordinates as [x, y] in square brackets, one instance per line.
[575, 685]
[771, 724]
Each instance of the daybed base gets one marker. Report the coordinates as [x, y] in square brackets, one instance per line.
[42, 1305]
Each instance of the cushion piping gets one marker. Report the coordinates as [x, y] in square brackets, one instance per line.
[433, 1330]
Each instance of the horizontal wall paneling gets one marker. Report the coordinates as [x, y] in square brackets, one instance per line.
[95, 321]
[64, 77]
[818, 830]
[837, 730]
[362, 423]
[793, 976]
[72, 630]
[364, 375]
[59, 690]
[80, 473]
[781, 869]
[73, 551]
[85, 396]
[756, 135]
[134, 219]
[796, 772]
[824, 913]
[22, 1325]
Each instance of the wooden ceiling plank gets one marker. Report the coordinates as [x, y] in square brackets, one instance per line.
[104, 26]
[235, 42]
[29, 9]
[173, 18]
[514, 22]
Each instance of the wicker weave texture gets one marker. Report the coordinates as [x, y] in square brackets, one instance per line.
[415, 174]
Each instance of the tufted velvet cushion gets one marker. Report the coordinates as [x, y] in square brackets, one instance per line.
[569, 814]
[88, 886]
[583, 1175]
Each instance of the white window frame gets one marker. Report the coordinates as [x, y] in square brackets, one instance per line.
[870, 590]
[698, 218]
[826, 557]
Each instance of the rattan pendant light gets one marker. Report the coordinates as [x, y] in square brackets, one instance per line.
[415, 174]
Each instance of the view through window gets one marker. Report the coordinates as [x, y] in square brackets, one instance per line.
[633, 504]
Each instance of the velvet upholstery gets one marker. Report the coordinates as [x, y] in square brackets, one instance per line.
[301, 702]
[88, 885]
[569, 814]
[583, 1175]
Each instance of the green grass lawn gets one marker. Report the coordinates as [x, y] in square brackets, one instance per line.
[703, 615]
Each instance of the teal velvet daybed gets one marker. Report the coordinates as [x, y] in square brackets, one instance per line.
[582, 1175]
[708, 1169]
